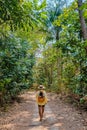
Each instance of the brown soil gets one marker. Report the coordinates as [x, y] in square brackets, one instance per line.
[57, 116]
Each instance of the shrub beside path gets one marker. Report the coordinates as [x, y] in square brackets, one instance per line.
[58, 115]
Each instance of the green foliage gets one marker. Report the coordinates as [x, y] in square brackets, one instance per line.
[40, 74]
[65, 61]
[20, 21]
[15, 65]
[21, 14]
[73, 49]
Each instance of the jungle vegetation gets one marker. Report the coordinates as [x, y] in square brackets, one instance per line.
[43, 42]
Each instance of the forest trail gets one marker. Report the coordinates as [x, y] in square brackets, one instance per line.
[57, 116]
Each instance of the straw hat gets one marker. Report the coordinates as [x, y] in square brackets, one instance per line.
[41, 87]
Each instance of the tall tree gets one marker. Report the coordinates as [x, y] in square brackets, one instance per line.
[82, 20]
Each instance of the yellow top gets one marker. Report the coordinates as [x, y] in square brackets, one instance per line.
[45, 98]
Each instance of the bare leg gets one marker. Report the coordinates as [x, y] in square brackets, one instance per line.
[42, 109]
[40, 112]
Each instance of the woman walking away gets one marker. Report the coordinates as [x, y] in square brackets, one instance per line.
[41, 99]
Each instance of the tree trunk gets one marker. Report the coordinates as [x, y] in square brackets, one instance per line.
[84, 35]
[82, 20]
[59, 61]
[51, 74]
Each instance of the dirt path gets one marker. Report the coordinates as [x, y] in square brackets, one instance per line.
[57, 116]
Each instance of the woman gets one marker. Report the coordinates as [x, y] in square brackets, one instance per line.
[41, 99]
